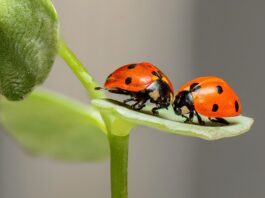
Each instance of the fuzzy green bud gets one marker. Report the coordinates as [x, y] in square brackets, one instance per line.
[29, 32]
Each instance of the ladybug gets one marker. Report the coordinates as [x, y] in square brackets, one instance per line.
[209, 96]
[142, 82]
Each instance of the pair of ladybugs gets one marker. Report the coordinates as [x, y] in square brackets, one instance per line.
[209, 96]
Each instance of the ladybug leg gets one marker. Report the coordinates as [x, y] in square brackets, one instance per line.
[187, 118]
[155, 111]
[191, 115]
[129, 100]
[141, 104]
[135, 104]
[219, 120]
[158, 106]
[201, 122]
[223, 121]
[190, 118]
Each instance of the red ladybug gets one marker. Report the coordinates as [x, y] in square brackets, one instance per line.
[209, 96]
[142, 82]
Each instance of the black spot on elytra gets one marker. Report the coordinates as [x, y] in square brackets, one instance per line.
[157, 74]
[131, 66]
[128, 80]
[194, 87]
[215, 107]
[219, 89]
[154, 73]
[236, 106]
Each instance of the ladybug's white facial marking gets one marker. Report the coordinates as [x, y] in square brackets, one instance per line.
[154, 95]
[184, 110]
[171, 98]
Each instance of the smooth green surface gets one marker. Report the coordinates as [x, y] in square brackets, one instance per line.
[29, 32]
[115, 125]
[169, 122]
[119, 165]
[80, 71]
[54, 126]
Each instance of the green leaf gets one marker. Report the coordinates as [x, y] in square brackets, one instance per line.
[29, 32]
[168, 121]
[52, 125]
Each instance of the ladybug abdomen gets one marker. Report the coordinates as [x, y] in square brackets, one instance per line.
[134, 77]
[128, 83]
[216, 99]
[215, 109]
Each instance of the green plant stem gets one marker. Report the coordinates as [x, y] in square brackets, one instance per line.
[118, 144]
[79, 70]
[119, 165]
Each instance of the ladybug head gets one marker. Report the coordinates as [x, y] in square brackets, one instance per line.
[166, 99]
[160, 92]
[183, 103]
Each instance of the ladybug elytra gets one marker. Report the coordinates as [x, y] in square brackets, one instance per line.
[142, 82]
[209, 96]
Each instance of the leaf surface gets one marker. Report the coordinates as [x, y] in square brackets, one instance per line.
[51, 125]
[168, 121]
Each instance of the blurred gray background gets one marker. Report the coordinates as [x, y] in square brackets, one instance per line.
[185, 38]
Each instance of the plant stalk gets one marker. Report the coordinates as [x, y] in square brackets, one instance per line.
[79, 70]
[119, 165]
[118, 144]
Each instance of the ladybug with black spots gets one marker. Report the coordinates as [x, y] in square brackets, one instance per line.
[209, 96]
[142, 82]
